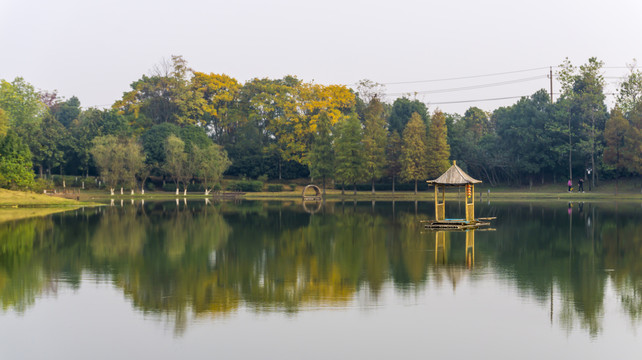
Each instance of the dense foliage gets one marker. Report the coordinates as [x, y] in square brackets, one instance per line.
[287, 128]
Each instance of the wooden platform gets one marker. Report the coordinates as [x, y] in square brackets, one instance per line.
[455, 224]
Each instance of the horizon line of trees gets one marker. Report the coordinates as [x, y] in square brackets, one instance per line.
[183, 125]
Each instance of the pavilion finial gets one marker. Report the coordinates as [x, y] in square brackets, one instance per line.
[454, 162]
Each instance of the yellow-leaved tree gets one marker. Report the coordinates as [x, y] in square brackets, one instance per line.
[300, 106]
[215, 96]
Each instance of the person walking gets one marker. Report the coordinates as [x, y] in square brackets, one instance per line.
[580, 185]
[570, 185]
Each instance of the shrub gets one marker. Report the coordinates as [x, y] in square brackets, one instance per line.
[275, 187]
[41, 184]
[170, 187]
[292, 187]
[195, 188]
[246, 186]
[57, 180]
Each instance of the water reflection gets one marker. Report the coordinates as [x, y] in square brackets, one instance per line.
[182, 259]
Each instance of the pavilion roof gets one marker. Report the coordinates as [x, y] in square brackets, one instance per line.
[454, 176]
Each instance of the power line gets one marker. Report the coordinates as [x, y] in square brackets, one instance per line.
[487, 75]
[472, 87]
[476, 100]
[463, 77]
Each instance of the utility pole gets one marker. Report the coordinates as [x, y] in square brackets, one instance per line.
[550, 76]
[570, 151]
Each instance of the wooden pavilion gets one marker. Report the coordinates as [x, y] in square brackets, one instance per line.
[454, 177]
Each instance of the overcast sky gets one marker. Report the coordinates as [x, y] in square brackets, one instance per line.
[94, 49]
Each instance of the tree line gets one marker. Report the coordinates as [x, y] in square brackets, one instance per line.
[182, 125]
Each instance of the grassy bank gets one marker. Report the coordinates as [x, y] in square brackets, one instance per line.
[10, 198]
[16, 205]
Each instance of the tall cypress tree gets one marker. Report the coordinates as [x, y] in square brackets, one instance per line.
[321, 157]
[374, 141]
[414, 165]
[437, 145]
[393, 156]
[349, 152]
[615, 134]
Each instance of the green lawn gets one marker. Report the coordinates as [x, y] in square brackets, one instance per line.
[22, 198]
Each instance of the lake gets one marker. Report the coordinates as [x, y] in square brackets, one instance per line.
[341, 280]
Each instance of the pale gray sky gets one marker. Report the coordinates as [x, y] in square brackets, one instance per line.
[95, 49]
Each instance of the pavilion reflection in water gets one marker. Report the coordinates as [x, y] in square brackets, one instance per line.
[441, 251]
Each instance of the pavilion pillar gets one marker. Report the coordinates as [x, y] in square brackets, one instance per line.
[440, 207]
[470, 204]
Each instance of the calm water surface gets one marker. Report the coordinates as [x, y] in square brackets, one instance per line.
[277, 280]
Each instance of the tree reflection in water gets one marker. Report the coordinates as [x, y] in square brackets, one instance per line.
[202, 259]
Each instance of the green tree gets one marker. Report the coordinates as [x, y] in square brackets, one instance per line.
[374, 141]
[4, 122]
[15, 163]
[118, 160]
[349, 152]
[630, 101]
[194, 135]
[630, 92]
[66, 111]
[583, 90]
[321, 157]
[109, 158]
[393, 156]
[176, 162]
[162, 97]
[615, 133]
[21, 102]
[134, 163]
[53, 140]
[155, 141]
[476, 122]
[437, 146]
[210, 162]
[525, 139]
[401, 112]
[83, 130]
[414, 166]
[22, 105]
